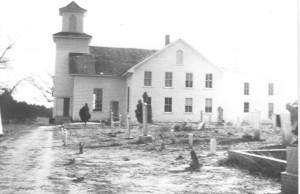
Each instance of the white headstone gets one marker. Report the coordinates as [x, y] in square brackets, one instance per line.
[120, 122]
[145, 119]
[172, 136]
[212, 146]
[201, 124]
[128, 126]
[1, 129]
[65, 137]
[256, 123]
[112, 123]
[286, 128]
[274, 121]
[191, 140]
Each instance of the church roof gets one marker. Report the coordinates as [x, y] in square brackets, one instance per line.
[72, 34]
[106, 60]
[73, 7]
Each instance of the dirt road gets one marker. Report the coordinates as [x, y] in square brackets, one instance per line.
[25, 161]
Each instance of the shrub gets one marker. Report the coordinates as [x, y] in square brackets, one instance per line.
[51, 121]
[84, 114]
[139, 112]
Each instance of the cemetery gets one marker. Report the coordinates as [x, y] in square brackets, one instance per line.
[123, 156]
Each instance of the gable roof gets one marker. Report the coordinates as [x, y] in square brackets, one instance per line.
[163, 49]
[71, 7]
[106, 60]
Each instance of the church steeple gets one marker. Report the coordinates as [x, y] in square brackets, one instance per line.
[72, 16]
[71, 39]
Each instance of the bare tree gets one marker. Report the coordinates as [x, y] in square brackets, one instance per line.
[10, 90]
[45, 86]
[3, 60]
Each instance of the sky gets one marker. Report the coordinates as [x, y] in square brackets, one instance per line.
[253, 36]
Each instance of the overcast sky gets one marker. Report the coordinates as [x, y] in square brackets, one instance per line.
[254, 36]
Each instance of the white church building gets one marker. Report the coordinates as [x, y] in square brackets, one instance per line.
[181, 83]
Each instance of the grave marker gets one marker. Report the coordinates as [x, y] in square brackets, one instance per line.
[274, 121]
[145, 137]
[120, 122]
[112, 127]
[195, 162]
[201, 125]
[145, 119]
[201, 116]
[212, 147]
[128, 119]
[286, 128]
[80, 148]
[65, 136]
[1, 129]
[256, 124]
[220, 115]
[172, 136]
[190, 140]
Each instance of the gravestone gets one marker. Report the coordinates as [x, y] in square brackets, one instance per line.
[172, 136]
[145, 137]
[128, 120]
[65, 136]
[201, 125]
[220, 115]
[273, 118]
[120, 116]
[201, 116]
[212, 146]
[145, 119]
[286, 128]
[1, 129]
[256, 124]
[195, 162]
[112, 124]
[190, 140]
[80, 148]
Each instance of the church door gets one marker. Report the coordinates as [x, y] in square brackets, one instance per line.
[66, 109]
[115, 109]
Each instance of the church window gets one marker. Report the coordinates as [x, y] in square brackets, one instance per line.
[72, 24]
[188, 104]
[208, 105]
[189, 80]
[246, 106]
[97, 99]
[168, 104]
[168, 79]
[246, 88]
[147, 78]
[208, 80]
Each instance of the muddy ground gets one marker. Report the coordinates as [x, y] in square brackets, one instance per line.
[35, 161]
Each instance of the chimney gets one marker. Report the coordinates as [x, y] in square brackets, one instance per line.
[167, 40]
